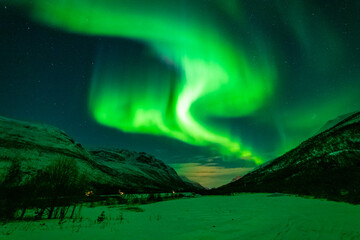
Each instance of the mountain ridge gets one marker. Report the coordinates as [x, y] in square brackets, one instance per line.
[35, 146]
[326, 165]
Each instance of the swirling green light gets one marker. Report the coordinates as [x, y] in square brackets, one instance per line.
[216, 76]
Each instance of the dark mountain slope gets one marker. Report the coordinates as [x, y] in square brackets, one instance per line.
[326, 165]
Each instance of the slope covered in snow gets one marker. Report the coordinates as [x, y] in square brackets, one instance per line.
[334, 121]
[326, 165]
[140, 171]
[36, 146]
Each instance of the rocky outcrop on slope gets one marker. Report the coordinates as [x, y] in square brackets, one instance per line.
[326, 165]
[141, 171]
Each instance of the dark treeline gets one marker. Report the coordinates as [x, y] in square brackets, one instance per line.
[60, 188]
[52, 191]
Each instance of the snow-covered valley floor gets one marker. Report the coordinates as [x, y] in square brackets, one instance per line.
[245, 216]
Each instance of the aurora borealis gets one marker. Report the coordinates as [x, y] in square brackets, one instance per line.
[240, 81]
[209, 62]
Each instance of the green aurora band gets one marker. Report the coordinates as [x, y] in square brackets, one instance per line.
[216, 73]
[216, 76]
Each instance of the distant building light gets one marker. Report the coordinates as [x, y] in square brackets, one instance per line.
[89, 193]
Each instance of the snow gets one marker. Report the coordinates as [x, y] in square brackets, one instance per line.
[138, 170]
[37, 145]
[244, 216]
[342, 151]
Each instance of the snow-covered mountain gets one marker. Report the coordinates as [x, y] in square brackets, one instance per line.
[36, 146]
[334, 121]
[140, 171]
[326, 165]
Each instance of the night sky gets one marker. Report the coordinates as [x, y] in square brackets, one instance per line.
[212, 88]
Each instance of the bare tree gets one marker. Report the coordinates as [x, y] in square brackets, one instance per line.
[59, 183]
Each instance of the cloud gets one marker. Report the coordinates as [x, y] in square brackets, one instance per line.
[209, 174]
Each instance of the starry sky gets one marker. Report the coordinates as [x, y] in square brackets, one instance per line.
[213, 88]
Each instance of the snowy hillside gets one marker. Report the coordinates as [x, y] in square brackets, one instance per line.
[36, 146]
[326, 165]
[335, 121]
[140, 171]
